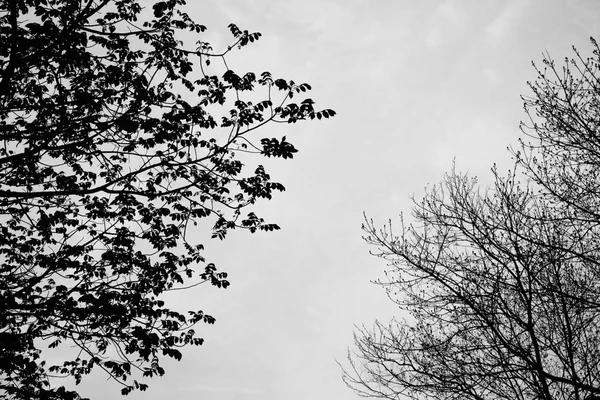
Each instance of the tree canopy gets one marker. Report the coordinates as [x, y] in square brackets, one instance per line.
[500, 286]
[119, 134]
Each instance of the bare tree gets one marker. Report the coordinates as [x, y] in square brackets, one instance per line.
[563, 125]
[501, 286]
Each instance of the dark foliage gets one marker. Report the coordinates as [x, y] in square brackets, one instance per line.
[501, 286]
[110, 153]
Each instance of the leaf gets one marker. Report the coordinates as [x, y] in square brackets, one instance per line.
[109, 164]
[160, 8]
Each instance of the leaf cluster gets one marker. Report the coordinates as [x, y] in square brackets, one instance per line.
[117, 138]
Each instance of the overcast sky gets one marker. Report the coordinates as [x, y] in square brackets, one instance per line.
[415, 84]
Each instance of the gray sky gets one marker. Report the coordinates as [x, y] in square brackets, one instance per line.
[415, 85]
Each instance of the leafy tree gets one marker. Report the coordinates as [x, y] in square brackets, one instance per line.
[118, 136]
[501, 285]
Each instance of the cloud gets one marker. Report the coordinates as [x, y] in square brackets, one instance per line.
[216, 389]
[449, 18]
[491, 75]
[501, 26]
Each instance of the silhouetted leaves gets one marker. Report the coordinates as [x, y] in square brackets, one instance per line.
[276, 148]
[113, 150]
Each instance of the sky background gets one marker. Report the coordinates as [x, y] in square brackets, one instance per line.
[415, 84]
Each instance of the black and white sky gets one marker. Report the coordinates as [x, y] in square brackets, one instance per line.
[416, 84]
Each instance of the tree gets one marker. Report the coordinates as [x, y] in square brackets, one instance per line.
[113, 148]
[563, 123]
[501, 286]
